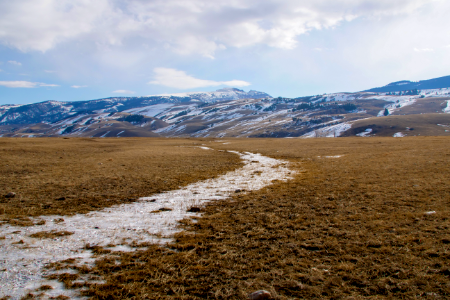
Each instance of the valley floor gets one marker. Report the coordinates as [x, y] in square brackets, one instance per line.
[361, 219]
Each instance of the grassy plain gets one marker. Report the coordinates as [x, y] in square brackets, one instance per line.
[365, 218]
[67, 176]
[349, 227]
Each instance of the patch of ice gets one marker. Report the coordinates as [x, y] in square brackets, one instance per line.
[24, 257]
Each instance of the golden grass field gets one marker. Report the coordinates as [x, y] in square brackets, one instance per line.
[348, 227]
[68, 176]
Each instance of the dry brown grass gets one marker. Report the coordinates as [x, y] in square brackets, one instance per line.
[50, 234]
[68, 176]
[423, 125]
[423, 106]
[352, 227]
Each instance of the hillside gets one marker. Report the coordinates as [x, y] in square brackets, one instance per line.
[405, 85]
[223, 113]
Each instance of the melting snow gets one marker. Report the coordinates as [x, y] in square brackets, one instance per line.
[151, 110]
[105, 134]
[399, 134]
[141, 221]
[447, 108]
[400, 101]
[330, 131]
[366, 132]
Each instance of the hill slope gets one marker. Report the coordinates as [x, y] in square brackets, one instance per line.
[405, 85]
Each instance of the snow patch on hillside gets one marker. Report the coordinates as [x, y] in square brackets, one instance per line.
[365, 133]
[151, 110]
[219, 95]
[329, 131]
[447, 108]
[399, 102]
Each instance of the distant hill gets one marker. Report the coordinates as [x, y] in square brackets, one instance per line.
[405, 85]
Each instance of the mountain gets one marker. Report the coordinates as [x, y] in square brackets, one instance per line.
[405, 85]
[54, 111]
[235, 113]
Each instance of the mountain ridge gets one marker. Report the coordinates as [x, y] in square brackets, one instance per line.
[229, 112]
[404, 85]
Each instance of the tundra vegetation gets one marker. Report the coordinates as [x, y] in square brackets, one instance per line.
[363, 218]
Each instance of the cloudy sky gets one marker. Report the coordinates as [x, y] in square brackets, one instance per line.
[86, 49]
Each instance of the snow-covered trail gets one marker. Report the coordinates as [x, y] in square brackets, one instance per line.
[151, 219]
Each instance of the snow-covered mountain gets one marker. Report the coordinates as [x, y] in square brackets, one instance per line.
[53, 111]
[220, 95]
[228, 113]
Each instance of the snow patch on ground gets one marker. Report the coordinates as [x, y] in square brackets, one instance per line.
[330, 131]
[447, 109]
[399, 134]
[146, 220]
[400, 102]
[365, 133]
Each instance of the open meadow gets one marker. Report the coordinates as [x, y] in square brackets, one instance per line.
[360, 218]
[55, 176]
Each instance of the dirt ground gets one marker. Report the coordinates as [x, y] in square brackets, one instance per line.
[365, 218]
[66, 176]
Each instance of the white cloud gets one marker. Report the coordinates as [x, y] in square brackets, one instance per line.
[180, 80]
[25, 84]
[78, 86]
[423, 50]
[18, 84]
[48, 85]
[123, 92]
[186, 27]
[13, 62]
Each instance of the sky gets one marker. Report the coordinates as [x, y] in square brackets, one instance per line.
[89, 49]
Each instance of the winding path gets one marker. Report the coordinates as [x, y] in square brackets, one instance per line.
[151, 219]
